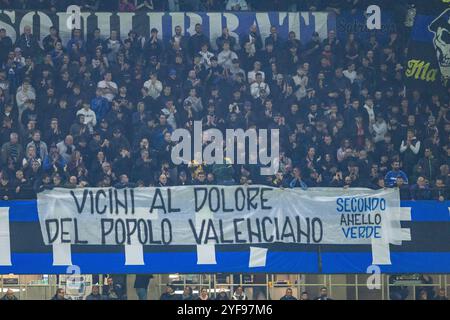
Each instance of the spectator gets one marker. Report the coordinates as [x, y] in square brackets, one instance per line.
[403, 188]
[341, 119]
[323, 294]
[410, 149]
[6, 45]
[126, 6]
[222, 295]
[95, 293]
[288, 295]
[90, 119]
[239, 294]
[66, 148]
[226, 56]
[187, 294]
[440, 191]
[297, 181]
[100, 105]
[203, 294]
[25, 94]
[169, 294]
[236, 5]
[27, 43]
[113, 291]
[197, 40]
[441, 295]
[429, 164]
[59, 295]
[259, 87]
[109, 88]
[226, 37]
[144, 5]
[420, 190]
[9, 295]
[391, 176]
[153, 87]
[12, 150]
[141, 285]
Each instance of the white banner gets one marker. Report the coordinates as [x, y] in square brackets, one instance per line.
[209, 215]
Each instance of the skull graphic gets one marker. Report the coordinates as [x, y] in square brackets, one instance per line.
[441, 29]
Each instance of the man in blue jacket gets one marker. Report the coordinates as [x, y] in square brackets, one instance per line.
[391, 177]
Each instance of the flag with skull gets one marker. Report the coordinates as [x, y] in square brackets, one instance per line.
[441, 41]
[428, 61]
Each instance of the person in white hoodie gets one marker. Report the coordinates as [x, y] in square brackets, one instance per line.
[226, 56]
[90, 119]
[153, 86]
[259, 85]
[24, 93]
[206, 56]
[368, 107]
[379, 128]
[239, 294]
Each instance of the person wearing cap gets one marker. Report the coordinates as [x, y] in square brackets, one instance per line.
[172, 73]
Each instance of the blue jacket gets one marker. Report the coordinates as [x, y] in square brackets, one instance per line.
[391, 177]
[298, 183]
[100, 106]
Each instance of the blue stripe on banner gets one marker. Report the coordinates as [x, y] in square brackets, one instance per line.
[285, 262]
[21, 211]
[402, 262]
[180, 262]
[428, 210]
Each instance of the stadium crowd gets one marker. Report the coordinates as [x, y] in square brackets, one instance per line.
[100, 111]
